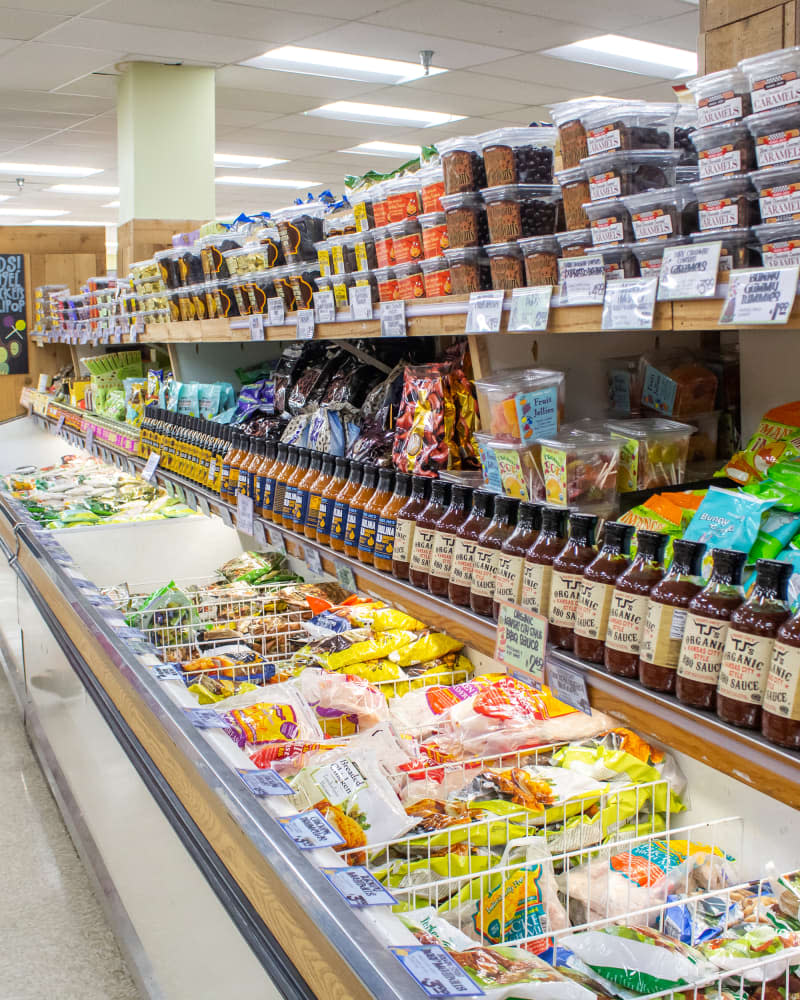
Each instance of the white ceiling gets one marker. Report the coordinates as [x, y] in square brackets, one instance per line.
[58, 67]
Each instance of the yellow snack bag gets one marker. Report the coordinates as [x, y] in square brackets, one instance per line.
[429, 646]
[377, 646]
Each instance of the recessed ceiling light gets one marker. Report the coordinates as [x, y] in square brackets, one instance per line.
[384, 149]
[34, 211]
[65, 222]
[273, 182]
[382, 114]
[234, 160]
[84, 189]
[46, 170]
[111, 204]
[342, 65]
[630, 55]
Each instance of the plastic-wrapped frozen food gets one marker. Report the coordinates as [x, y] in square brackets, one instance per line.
[329, 693]
[269, 714]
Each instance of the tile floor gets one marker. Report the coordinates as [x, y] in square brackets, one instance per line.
[55, 938]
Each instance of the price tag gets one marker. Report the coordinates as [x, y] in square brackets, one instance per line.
[361, 302]
[689, 272]
[202, 503]
[358, 886]
[190, 499]
[485, 312]
[658, 390]
[276, 540]
[205, 718]
[313, 559]
[116, 334]
[628, 304]
[133, 333]
[310, 829]
[530, 308]
[324, 307]
[150, 468]
[212, 471]
[275, 311]
[60, 423]
[345, 576]
[582, 281]
[760, 296]
[520, 643]
[305, 324]
[265, 782]
[164, 672]
[88, 442]
[435, 971]
[393, 319]
[260, 533]
[569, 685]
[225, 514]
[256, 321]
[244, 514]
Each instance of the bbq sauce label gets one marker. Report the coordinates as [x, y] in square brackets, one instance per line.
[508, 577]
[422, 549]
[536, 588]
[442, 555]
[743, 674]
[626, 622]
[663, 631]
[403, 540]
[594, 607]
[483, 571]
[782, 695]
[701, 652]
[565, 592]
[463, 555]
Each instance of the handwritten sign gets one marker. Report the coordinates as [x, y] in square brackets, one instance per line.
[520, 644]
[13, 315]
[760, 295]
[628, 304]
[485, 312]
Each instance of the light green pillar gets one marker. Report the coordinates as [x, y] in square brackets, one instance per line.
[165, 130]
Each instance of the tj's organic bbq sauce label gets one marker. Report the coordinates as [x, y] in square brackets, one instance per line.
[663, 631]
[403, 541]
[442, 555]
[626, 621]
[782, 695]
[702, 648]
[594, 607]
[508, 578]
[483, 571]
[564, 595]
[745, 661]
[463, 555]
[536, 588]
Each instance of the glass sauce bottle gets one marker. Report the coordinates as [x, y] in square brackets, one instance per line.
[629, 604]
[567, 577]
[780, 716]
[510, 567]
[460, 585]
[327, 502]
[666, 616]
[706, 630]
[302, 493]
[387, 523]
[291, 500]
[287, 470]
[448, 528]
[597, 591]
[232, 456]
[270, 451]
[405, 522]
[373, 509]
[355, 510]
[424, 533]
[315, 493]
[341, 505]
[539, 558]
[490, 541]
[748, 647]
[271, 480]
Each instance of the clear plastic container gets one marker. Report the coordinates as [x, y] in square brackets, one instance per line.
[362, 209]
[517, 210]
[575, 193]
[778, 243]
[618, 261]
[367, 279]
[364, 248]
[723, 149]
[387, 284]
[721, 97]
[406, 241]
[725, 203]
[340, 286]
[735, 251]
[687, 174]
[469, 270]
[410, 282]
[610, 222]
[433, 229]
[299, 228]
[685, 125]
[509, 467]
[431, 181]
[166, 267]
[519, 155]
[268, 238]
[774, 78]
[342, 254]
[384, 250]
[339, 222]
[436, 277]
[301, 278]
[403, 199]
[631, 125]
[522, 404]
[324, 257]
[654, 452]
[776, 137]
[579, 469]
[624, 378]
[211, 249]
[574, 244]
[675, 385]
[571, 132]
[617, 174]
[778, 191]
[650, 253]
[466, 219]
[238, 261]
[657, 215]
[462, 165]
[506, 265]
[541, 260]
[378, 192]
[703, 443]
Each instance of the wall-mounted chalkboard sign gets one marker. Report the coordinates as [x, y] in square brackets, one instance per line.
[13, 315]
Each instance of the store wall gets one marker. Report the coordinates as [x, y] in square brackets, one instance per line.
[731, 30]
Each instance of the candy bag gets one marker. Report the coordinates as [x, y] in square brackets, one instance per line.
[776, 437]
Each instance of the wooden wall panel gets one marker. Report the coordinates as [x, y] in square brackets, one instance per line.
[731, 30]
[139, 239]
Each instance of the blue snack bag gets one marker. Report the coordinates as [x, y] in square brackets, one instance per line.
[726, 519]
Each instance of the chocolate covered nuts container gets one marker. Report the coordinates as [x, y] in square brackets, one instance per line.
[517, 210]
[518, 155]
[540, 254]
[575, 193]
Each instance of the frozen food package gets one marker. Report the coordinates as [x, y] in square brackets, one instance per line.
[340, 694]
[269, 714]
[506, 972]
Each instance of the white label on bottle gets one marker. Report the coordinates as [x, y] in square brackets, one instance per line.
[782, 695]
[463, 555]
[565, 592]
[745, 661]
[442, 555]
[508, 577]
[702, 648]
[483, 571]
[661, 638]
[403, 541]
[594, 605]
[626, 621]
[422, 549]
[536, 588]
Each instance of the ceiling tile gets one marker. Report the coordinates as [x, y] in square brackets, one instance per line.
[102, 84]
[66, 7]
[62, 103]
[651, 92]
[349, 10]
[26, 24]
[611, 15]
[681, 31]
[44, 66]
[573, 77]
[260, 80]
[405, 97]
[227, 117]
[347, 132]
[468, 84]
[38, 119]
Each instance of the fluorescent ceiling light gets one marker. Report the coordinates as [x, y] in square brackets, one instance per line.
[382, 114]
[341, 65]
[46, 170]
[271, 182]
[84, 189]
[233, 160]
[22, 212]
[630, 55]
[111, 204]
[64, 222]
[384, 149]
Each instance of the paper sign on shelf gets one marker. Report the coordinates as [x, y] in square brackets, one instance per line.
[689, 272]
[310, 829]
[88, 442]
[530, 308]
[265, 782]
[358, 886]
[305, 324]
[324, 307]
[276, 540]
[435, 971]
[582, 281]
[244, 514]
[313, 559]
[759, 296]
[164, 672]
[150, 467]
[202, 503]
[568, 685]
[345, 576]
[393, 319]
[361, 302]
[520, 643]
[629, 304]
[275, 311]
[190, 499]
[205, 718]
[225, 514]
[485, 312]
[60, 423]
[256, 323]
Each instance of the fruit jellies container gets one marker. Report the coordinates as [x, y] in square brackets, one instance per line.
[776, 138]
[509, 466]
[462, 165]
[465, 214]
[721, 97]
[621, 173]
[378, 192]
[403, 199]
[519, 155]
[633, 125]
[522, 405]
[654, 452]
[723, 149]
[774, 78]
[725, 203]
[410, 283]
[384, 248]
[469, 270]
[779, 243]
[579, 469]
[610, 222]
[657, 215]
[517, 210]
[778, 191]
[406, 241]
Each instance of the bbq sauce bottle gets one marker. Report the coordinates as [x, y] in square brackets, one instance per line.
[425, 532]
[510, 567]
[597, 590]
[539, 558]
[490, 541]
[567, 579]
[460, 585]
[448, 528]
[707, 628]
[405, 523]
[780, 717]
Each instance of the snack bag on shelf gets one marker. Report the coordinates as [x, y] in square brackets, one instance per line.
[727, 519]
[777, 438]
[748, 942]
[424, 441]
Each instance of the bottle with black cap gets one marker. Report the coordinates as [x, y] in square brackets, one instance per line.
[490, 541]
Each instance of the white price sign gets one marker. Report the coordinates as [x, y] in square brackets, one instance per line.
[629, 304]
[305, 324]
[266, 782]
[358, 886]
[88, 442]
[760, 296]
[164, 672]
[202, 503]
[361, 302]
[310, 829]
[60, 424]
[225, 514]
[260, 534]
[205, 718]
[256, 322]
[689, 272]
[582, 281]
[393, 319]
[324, 307]
[569, 685]
[530, 308]
[313, 559]
[276, 540]
[435, 971]
[275, 311]
[190, 499]
[485, 312]
[150, 468]
[244, 514]
[133, 332]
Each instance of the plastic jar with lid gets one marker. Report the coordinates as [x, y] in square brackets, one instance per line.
[778, 243]
[749, 646]
[362, 209]
[300, 227]
[425, 533]
[384, 250]
[580, 468]
[540, 254]
[261, 288]
[490, 541]
[773, 78]
[406, 241]
[654, 454]
[227, 304]
[365, 279]
[516, 210]
[725, 203]
[198, 293]
[448, 528]
[340, 286]
[576, 243]
[462, 164]
[780, 714]
[431, 180]
[567, 578]
[433, 232]
[575, 193]
[237, 261]
[630, 125]
[301, 278]
[211, 249]
[619, 174]
[662, 213]
[403, 199]
[405, 525]
[436, 276]
[460, 585]
[186, 304]
[364, 247]
[465, 214]
[213, 302]
[167, 266]
[723, 149]
[519, 155]
[619, 261]
[342, 253]
[778, 193]
[597, 591]
[410, 283]
[610, 222]
[706, 629]
[523, 404]
[775, 136]
[506, 265]
[566, 116]
[268, 238]
[259, 255]
[735, 247]
[378, 192]
[469, 270]
[387, 284]
[721, 97]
